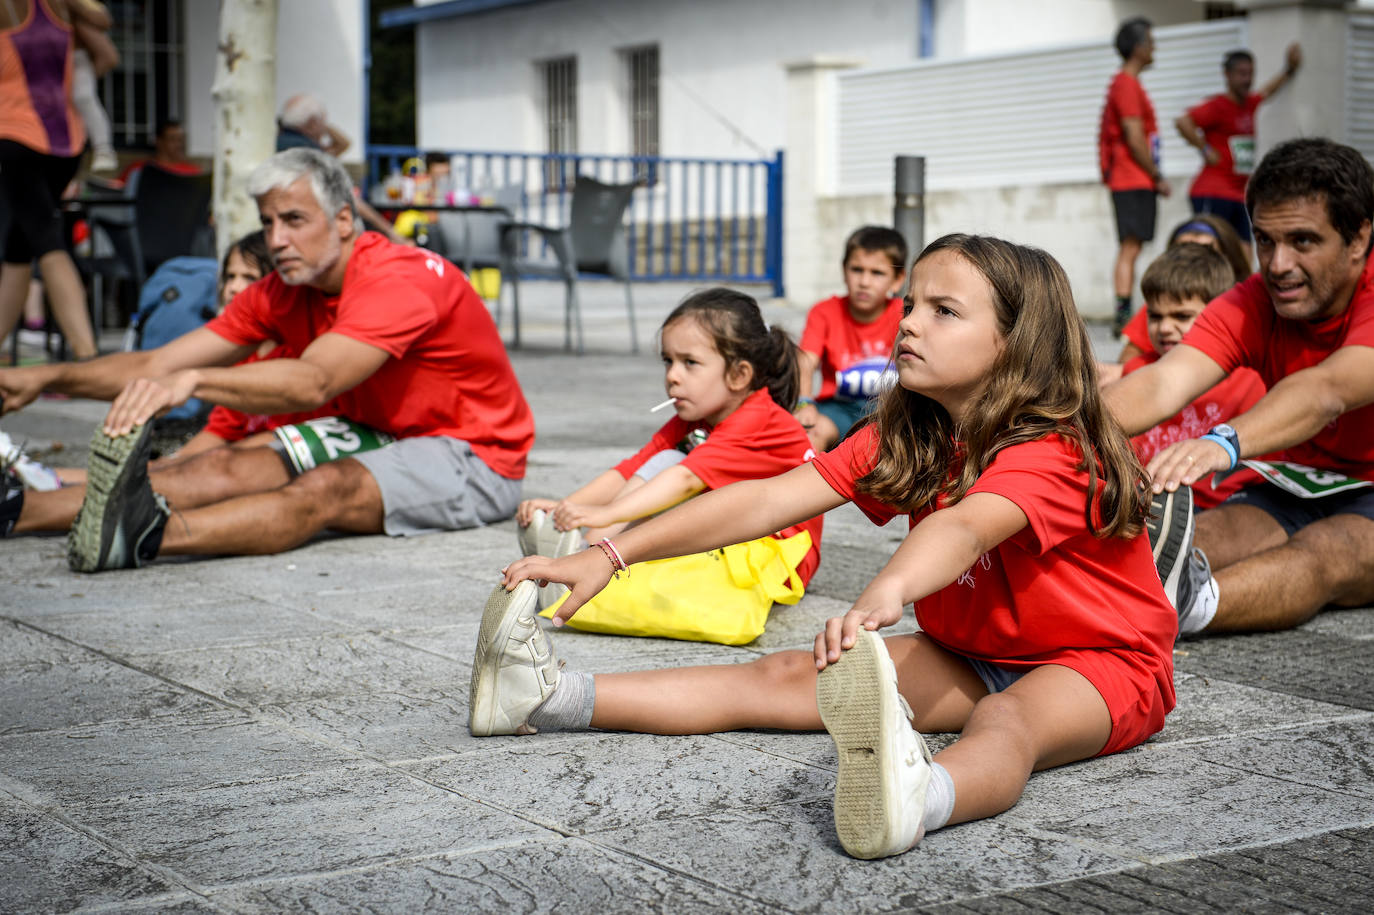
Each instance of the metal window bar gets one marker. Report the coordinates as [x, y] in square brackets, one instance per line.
[146, 87]
[714, 220]
[641, 74]
[560, 117]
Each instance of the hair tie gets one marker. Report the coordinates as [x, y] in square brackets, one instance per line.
[1196, 227]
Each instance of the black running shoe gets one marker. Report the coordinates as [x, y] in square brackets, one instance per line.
[1170, 529]
[121, 521]
[11, 500]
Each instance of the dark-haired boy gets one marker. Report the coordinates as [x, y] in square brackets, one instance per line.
[850, 337]
[1177, 286]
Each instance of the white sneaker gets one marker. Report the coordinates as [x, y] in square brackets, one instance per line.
[513, 666]
[880, 792]
[33, 474]
[104, 160]
[541, 538]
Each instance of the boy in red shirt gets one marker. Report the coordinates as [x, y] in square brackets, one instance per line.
[1177, 287]
[1128, 153]
[1223, 130]
[850, 338]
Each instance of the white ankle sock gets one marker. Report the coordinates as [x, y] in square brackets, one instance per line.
[1199, 613]
[939, 798]
[569, 706]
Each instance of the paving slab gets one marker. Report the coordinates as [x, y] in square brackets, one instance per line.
[289, 732]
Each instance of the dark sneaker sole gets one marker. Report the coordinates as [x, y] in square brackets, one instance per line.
[1170, 529]
[849, 694]
[500, 614]
[112, 462]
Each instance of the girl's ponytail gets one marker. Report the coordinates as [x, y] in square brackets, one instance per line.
[778, 368]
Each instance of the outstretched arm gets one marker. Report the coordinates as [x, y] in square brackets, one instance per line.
[666, 489]
[105, 377]
[329, 366]
[732, 514]
[944, 546]
[1293, 411]
[1293, 60]
[1150, 395]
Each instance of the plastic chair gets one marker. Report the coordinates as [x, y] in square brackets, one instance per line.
[593, 243]
[171, 219]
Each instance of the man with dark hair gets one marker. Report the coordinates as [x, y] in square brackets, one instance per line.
[169, 152]
[1301, 537]
[391, 337]
[1128, 153]
[1223, 130]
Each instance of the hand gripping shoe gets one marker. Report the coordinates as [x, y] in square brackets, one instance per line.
[884, 766]
[513, 667]
[121, 519]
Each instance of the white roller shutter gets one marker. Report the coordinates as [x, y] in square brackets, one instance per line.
[1359, 85]
[1029, 117]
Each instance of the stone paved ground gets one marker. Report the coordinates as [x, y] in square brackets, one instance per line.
[288, 733]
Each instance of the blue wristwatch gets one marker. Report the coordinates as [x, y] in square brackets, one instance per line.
[1225, 436]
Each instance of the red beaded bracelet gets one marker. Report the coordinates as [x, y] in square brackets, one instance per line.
[613, 556]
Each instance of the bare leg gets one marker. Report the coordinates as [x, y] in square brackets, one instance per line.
[777, 691]
[339, 496]
[1049, 717]
[68, 297]
[1123, 275]
[1230, 533]
[211, 476]
[1328, 562]
[14, 289]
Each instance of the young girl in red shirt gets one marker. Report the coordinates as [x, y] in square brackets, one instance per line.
[732, 381]
[1045, 634]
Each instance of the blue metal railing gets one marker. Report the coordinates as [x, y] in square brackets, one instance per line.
[704, 220]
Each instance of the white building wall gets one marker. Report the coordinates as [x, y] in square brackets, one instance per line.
[319, 50]
[964, 27]
[722, 84]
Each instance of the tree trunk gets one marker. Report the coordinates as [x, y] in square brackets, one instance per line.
[245, 94]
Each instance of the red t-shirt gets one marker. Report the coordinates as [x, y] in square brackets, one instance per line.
[854, 357]
[1232, 396]
[1136, 330]
[234, 425]
[1052, 593]
[449, 374]
[758, 440]
[1126, 98]
[176, 168]
[1229, 128]
[1240, 328]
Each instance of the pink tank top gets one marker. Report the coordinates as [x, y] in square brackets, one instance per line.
[35, 85]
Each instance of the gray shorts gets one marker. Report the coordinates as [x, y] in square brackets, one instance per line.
[437, 484]
[659, 463]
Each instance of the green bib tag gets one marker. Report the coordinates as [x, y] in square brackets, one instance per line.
[1303, 481]
[1242, 154]
[319, 441]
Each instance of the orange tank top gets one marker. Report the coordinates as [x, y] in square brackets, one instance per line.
[36, 85]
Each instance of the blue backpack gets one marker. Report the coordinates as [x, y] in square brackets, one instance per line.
[180, 296]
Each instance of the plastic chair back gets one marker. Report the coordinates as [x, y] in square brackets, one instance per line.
[595, 225]
[171, 216]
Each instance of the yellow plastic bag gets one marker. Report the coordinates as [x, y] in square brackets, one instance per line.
[487, 282]
[721, 596]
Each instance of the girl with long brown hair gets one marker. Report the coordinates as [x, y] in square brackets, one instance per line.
[1045, 634]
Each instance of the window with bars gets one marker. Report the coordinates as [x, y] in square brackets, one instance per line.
[641, 98]
[560, 118]
[147, 86]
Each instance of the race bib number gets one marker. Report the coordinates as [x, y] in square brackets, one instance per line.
[1303, 481]
[1242, 154]
[318, 441]
[864, 379]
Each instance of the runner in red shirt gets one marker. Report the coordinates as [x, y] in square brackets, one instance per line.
[1279, 553]
[1024, 561]
[849, 338]
[1128, 153]
[393, 336]
[1223, 130]
[732, 381]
